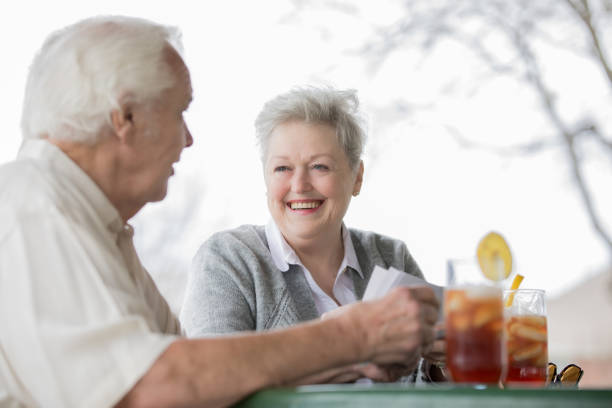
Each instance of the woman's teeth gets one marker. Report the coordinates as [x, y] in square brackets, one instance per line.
[304, 206]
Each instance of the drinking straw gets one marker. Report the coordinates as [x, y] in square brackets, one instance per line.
[515, 284]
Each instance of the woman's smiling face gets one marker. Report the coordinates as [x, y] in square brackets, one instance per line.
[309, 180]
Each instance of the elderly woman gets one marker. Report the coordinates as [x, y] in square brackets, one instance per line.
[305, 261]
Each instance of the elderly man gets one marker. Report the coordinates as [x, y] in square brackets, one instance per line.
[83, 324]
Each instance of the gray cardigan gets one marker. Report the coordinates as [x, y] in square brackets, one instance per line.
[234, 284]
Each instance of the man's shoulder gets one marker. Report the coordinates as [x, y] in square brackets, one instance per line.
[19, 168]
[24, 186]
[29, 197]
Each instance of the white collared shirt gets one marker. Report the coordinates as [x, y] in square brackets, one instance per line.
[81, 320]
[344, 289]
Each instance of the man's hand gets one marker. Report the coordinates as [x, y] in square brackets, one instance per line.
[388, 372]
[353, 372]
[216, 372]
[340, 375]
[396, 329]
[437, 354]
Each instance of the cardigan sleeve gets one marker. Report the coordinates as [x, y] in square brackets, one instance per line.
[410, 265]
[215, 301]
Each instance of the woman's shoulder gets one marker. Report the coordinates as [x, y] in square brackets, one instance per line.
[244, 235]
[374, 240]
[378, 249]
[244, 244]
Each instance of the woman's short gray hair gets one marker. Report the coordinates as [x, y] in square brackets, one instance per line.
[84, 71]
[337, 108]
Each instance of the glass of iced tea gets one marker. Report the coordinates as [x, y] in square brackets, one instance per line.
[474, 319]
[526, 337]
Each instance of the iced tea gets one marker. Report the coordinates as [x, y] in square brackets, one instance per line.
[474, 334]
[527, 348]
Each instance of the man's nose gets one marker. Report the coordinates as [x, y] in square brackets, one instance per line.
[188, 137]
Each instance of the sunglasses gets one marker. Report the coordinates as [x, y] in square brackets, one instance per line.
[434, 372]
[568, 377]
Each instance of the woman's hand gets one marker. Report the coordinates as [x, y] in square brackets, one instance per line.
[387, 372]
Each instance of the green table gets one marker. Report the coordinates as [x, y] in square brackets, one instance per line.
[398, 395]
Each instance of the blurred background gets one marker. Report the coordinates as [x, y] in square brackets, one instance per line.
[482, 115]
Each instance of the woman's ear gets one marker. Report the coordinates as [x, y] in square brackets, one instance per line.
[358, 179]
[122, 122]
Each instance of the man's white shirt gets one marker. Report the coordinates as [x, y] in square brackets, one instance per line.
[81, 320]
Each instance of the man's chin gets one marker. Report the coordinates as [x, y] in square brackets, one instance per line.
[159, 195]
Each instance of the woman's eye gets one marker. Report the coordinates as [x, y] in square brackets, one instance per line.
[320, 167]
[279, 169]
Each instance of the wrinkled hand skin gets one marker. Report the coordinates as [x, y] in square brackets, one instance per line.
[396, 329]
[388, 372]
[340, 375]
[438, 351]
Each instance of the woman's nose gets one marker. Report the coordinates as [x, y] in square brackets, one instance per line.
[300, 181]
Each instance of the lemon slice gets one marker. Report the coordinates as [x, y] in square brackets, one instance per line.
[494, 257]
[515, 285]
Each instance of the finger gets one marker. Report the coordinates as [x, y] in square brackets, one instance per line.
[439, 346]
[338, 374]
[408, 360]
[425, 294]
[428, 336]
[435, 357]
[396, 371]
[374, 372]
[345, 378]
[437, 352]
[412, 362]
[429, 313]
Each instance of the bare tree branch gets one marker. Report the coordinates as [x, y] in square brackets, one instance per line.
[548, 102]
[485, 27]
[518, 30]
[583, 10]
[521, 150]
[588, 127]
[598, 136]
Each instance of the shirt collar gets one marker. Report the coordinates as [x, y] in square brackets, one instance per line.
[283, 255]
[350, 256]
[58, 162]
[277, 246]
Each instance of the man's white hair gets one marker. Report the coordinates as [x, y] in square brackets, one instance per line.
[86, 70]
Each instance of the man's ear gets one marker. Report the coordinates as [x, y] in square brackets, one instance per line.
[358, 179]
[122, 121]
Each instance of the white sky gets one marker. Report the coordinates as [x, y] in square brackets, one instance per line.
[420, 186]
